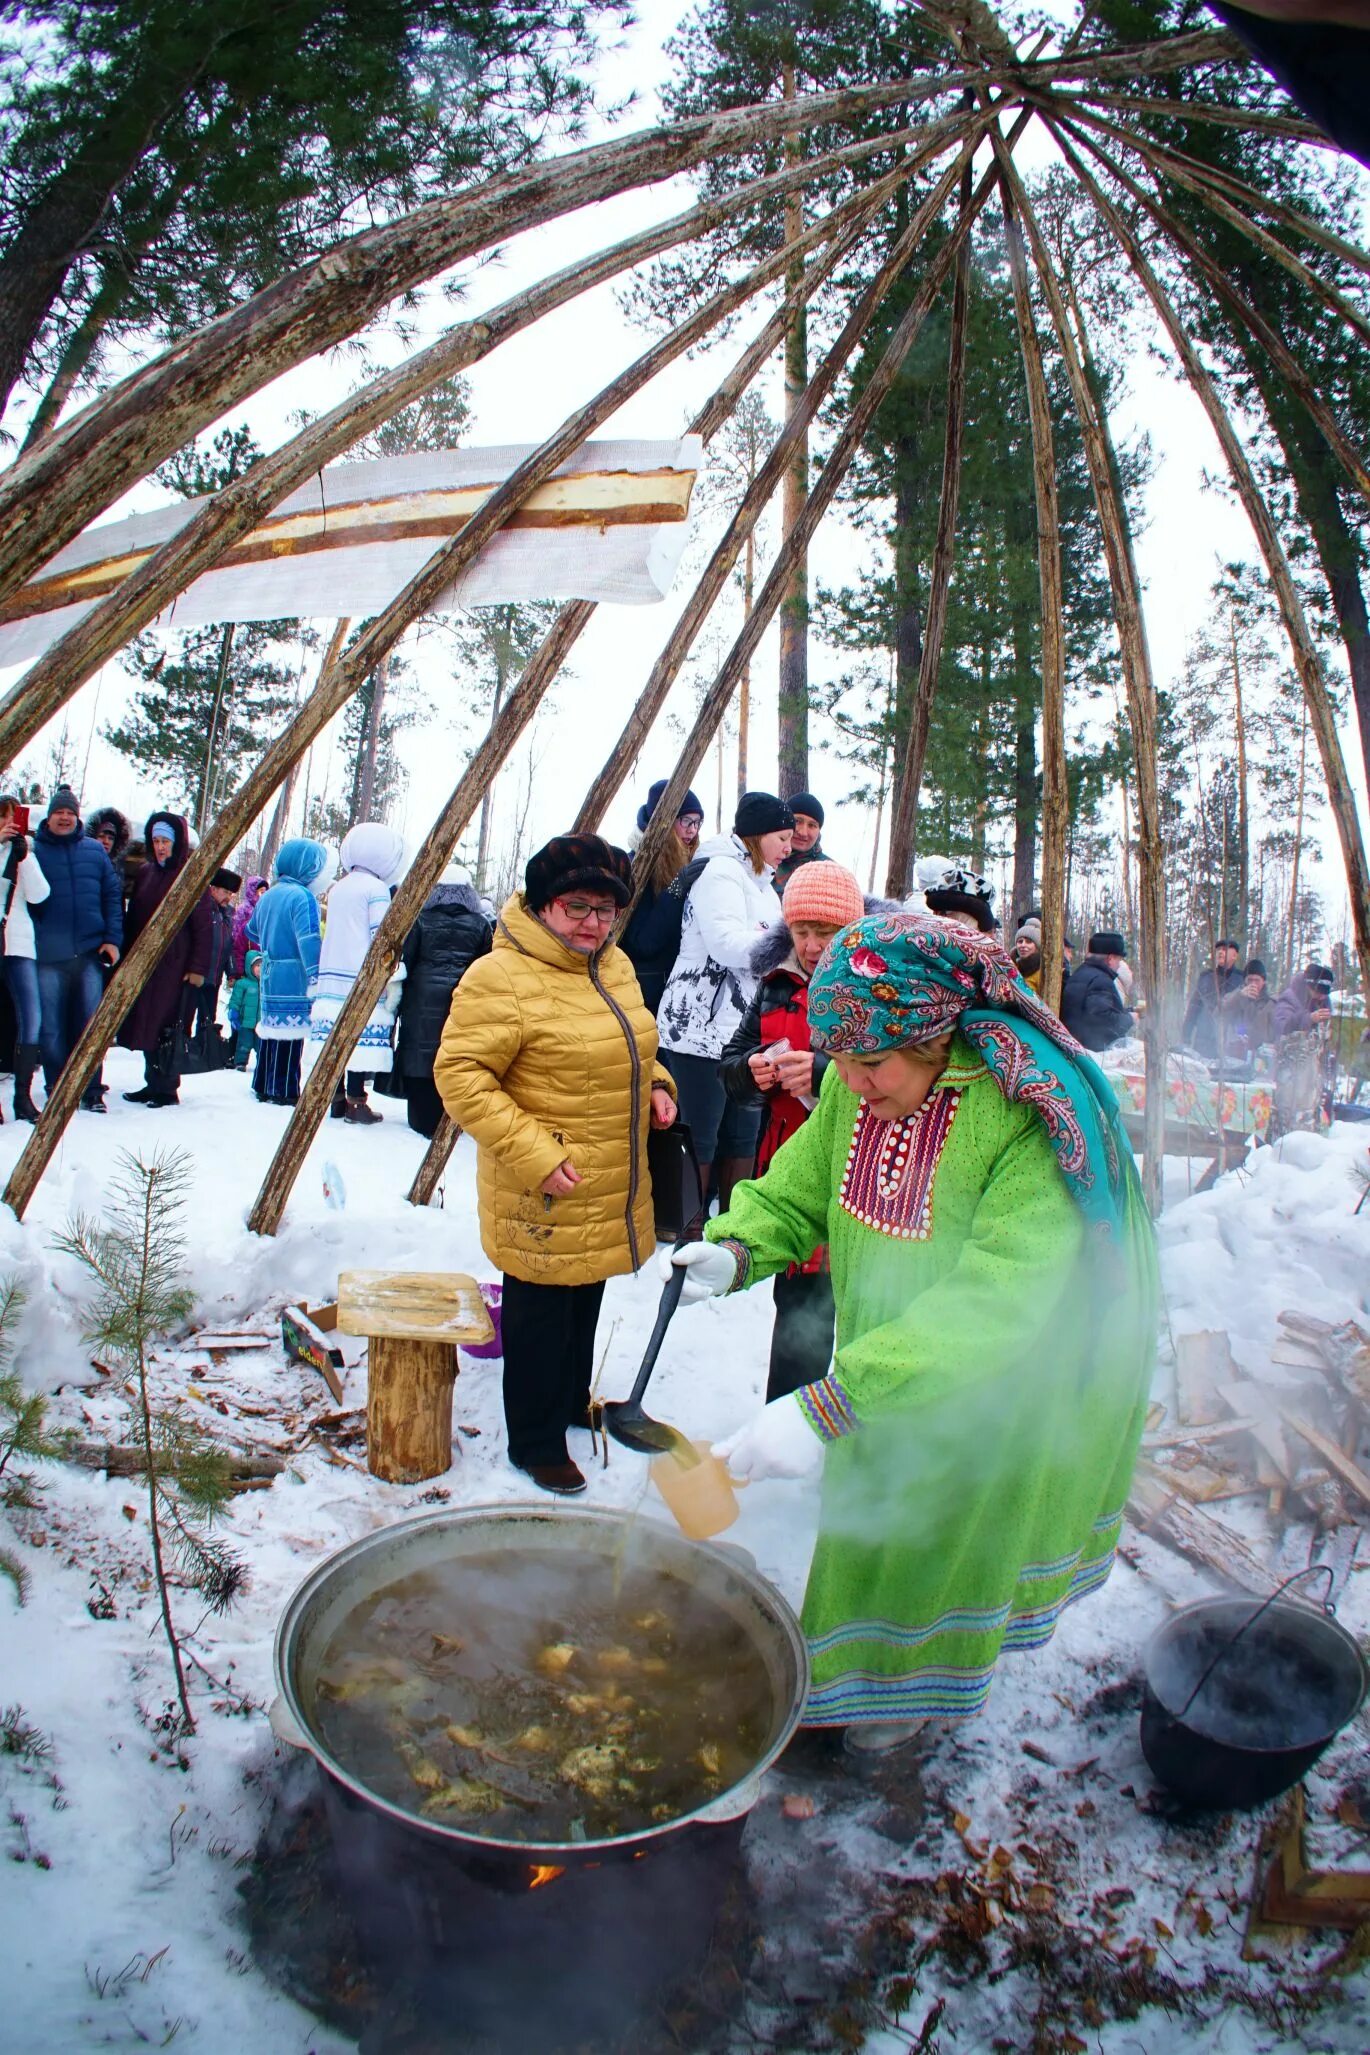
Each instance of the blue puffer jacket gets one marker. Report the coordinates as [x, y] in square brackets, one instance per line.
[84, 908]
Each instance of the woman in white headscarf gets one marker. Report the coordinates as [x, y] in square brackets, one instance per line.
[372, 857]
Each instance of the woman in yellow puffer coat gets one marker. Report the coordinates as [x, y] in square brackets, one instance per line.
[548, 1061]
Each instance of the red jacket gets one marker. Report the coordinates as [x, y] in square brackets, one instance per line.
[779, 1012]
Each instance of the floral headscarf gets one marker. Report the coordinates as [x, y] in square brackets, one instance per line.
[901, 978]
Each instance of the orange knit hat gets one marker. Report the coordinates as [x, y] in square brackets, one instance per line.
[825, 893]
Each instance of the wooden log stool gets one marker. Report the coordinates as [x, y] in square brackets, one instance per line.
[413, 1321]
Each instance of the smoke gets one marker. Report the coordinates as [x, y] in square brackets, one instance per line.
[971, 1426]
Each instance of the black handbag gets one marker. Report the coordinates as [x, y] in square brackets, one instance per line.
[677, 1198]
[209, 1048]
[189, 1054]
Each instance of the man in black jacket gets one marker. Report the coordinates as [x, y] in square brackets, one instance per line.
[807, 846]
[1200, 1029]
[1091, 1008]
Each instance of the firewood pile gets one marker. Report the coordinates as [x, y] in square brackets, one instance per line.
[1291, 1435]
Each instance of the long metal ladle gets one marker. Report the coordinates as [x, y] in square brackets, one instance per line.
[624, 1418]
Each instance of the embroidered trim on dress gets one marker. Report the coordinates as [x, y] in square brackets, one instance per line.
[950, 1692]
[742, 1257]
[887, 1182]
[827, 1408]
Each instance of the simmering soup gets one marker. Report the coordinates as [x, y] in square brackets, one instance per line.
[543, 1695]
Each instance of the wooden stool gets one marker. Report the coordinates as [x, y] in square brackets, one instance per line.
[412, 1321]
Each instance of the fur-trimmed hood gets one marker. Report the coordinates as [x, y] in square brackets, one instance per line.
[110, 816]
[775, 949]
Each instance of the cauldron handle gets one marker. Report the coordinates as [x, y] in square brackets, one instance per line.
[1313, 1570]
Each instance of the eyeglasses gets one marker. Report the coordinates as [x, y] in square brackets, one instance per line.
[580, 910]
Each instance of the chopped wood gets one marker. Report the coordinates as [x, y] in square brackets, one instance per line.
[413, 1305]
[1158, 1512]
[1273, 1463]
[1199, 1437]
[116, 1460]
[1294, 1893]
[1200, 1484]
[1202, 1362]
[1335, 1458]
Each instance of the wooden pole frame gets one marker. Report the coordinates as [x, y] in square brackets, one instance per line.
[904, 813]
[1242, 311]
[1219, 192]
[85, 465]
[715, 702]
[332, 693]
[1055, 788]
[55, 676]
[407, 902]
[1307, 662]
[1139, 683]
[758, 493]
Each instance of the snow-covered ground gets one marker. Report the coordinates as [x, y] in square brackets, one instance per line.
[119, 1907]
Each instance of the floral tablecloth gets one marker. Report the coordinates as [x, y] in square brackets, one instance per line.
[1192, 1095]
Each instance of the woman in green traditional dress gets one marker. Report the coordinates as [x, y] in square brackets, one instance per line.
[994, 1271]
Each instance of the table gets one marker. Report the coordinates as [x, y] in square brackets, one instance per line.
[412, 1321]
[1203, 1115]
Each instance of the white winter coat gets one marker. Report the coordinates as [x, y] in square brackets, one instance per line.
[30, 888]
[712, 984]
[371, 856]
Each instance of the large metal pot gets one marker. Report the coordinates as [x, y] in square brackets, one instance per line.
[519, 1941]
[723, 1575]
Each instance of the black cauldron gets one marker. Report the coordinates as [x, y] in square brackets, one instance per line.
[1240, 1702]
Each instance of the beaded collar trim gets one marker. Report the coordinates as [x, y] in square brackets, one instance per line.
[887, 1182]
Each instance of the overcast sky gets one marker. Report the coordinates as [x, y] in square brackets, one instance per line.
[524, 390]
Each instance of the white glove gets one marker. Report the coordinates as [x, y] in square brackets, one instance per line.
[390, 997]
[709, 1270]
[779, 1442]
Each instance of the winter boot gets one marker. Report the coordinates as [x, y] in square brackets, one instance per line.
[338, 1108]
[360, 1112]
[25, 1063]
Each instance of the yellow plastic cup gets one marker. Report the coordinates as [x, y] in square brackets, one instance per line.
[702, 1497]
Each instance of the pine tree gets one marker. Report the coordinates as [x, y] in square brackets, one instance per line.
[160, 162]
[135, 1259]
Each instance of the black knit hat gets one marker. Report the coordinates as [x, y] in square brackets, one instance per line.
[571, 862]
[761, 813]
[64, 800]
[227, 881]
[689, 804]
[1254, 969]
[1107, 942]
[804, 802]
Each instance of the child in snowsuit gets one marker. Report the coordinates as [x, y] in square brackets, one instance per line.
[244, 1005]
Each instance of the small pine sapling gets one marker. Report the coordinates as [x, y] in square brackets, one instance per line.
[23, 1433]
[136, 1259]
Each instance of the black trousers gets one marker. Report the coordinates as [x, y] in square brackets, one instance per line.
[549, 1350]
[801, 1345]
[425, 1106]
